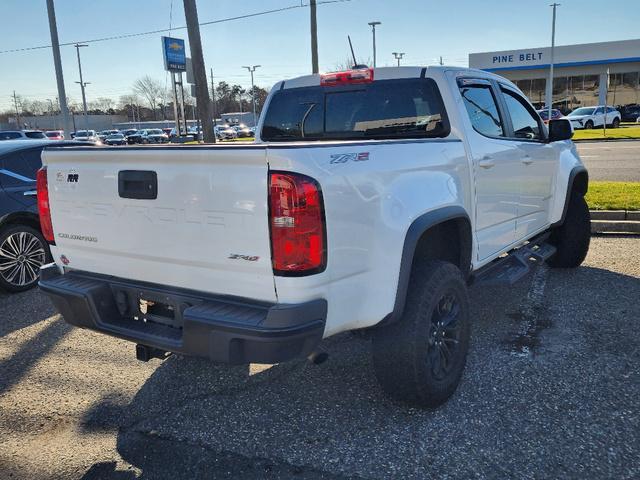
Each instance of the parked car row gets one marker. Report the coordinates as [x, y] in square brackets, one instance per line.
[587, 117]
[130, 136]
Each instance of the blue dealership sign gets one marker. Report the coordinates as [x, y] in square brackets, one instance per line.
[175, 58]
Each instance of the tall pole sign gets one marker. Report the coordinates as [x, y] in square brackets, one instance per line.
[553, 46]
[175, 61]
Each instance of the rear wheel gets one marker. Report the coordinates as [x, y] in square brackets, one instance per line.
[22, 251]
[420, 358]
[572, 238]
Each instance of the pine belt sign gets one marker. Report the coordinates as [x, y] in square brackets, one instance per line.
[173, 52]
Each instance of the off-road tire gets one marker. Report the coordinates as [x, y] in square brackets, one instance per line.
[403, 352]
[572, 238]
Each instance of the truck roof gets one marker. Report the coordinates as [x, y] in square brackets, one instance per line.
[389, 73]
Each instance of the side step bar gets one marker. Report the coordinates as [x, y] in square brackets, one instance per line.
[508, 269]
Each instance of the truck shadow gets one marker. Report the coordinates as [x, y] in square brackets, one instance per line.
[197, 417]
[20, 310]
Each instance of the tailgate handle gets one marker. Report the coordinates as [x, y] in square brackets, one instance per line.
[139, 184]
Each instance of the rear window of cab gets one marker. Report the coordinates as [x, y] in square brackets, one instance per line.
[383, 109]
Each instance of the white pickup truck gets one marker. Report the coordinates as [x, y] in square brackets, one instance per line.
[371, 199]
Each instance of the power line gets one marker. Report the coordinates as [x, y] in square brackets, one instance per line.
[164, 30]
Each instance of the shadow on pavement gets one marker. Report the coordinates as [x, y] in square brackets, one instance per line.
[21, 310]
[18, 365]
[510, 417]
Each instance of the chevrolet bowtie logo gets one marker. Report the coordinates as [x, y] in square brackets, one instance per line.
[175, 46]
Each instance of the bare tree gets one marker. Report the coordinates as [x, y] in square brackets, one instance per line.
[103, 103]
[36, 107]
[151, 90]
[129, 104]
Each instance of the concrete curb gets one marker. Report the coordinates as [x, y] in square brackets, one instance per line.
[581, 140]
[604, 226]
[615, 215]
[615, 221]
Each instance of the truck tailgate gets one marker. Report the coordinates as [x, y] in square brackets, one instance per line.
[206, 230]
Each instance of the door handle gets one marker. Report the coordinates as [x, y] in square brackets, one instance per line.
[486, 162]
[527, 160]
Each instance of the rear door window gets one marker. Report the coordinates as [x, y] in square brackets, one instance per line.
[407, 108]
[482, 109]
[35, 135]
[9, 135]
[18, 169]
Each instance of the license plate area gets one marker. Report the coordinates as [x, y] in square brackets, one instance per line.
[150, 307]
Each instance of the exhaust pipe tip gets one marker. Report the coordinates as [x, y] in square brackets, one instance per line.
[318, 357]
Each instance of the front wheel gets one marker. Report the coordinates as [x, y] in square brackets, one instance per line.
[588, 125]
[573, 237]
[22, 251]
[616, 123]
[420, 358]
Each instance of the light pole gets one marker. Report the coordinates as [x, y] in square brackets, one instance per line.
[373, 31]
[82, 85]
[553, 45]
[55, 47]
[253, 92]
[398, 56]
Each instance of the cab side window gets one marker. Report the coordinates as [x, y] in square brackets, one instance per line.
[482, 108]
[526, 123]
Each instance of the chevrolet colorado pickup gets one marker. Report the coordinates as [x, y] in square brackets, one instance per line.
[371, 199]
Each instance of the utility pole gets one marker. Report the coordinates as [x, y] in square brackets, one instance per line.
[253, 92]
[398, 56]
[314, 37]
[83, 84]
[51, 110]
[373, 31]
[55, 44]
[441, 63]
[213, 98]
[199, 71]
[15, 103]
[553, 45]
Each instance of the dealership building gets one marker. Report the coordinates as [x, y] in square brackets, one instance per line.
[584, 75]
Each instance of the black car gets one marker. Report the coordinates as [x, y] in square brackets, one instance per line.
[135, 137]
[22, 247]
[630, 113]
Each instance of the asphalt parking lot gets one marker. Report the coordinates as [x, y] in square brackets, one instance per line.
[617, 161]
[551, 391]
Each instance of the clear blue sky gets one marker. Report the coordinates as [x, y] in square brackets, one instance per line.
[424, 29]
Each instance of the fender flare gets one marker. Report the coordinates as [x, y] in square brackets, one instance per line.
[22, 217]
[417, 228]
[578, 170]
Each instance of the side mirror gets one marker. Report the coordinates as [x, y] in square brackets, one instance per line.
[560, 129]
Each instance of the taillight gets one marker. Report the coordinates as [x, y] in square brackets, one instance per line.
[296, 216]
[43, 205]
[362, 75]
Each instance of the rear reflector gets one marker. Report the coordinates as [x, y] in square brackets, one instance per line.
[363, 75]
[43, 205]
[296, 219]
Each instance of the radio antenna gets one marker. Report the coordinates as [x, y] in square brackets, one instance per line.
[355, 63]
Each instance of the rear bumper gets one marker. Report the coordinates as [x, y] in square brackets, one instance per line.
[223, 329]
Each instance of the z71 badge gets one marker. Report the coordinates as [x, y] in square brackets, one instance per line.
[349, 157]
